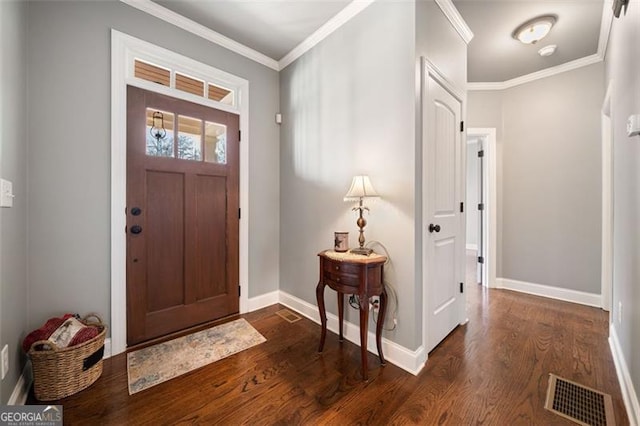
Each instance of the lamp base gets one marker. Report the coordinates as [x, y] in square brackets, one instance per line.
[361, 250]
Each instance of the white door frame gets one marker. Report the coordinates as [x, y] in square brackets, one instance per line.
[489, 186]
[607, 203]
[430, 70]
[124, 49]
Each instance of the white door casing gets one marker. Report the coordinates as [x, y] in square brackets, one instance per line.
[442, 220]
[124, 49]
[489, 185]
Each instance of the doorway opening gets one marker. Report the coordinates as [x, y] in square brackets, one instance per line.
[481, 202]
[124, 51]
[607, 205]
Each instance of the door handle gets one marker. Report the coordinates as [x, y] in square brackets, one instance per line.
[136, 229]
[136, 211]
[433, 227]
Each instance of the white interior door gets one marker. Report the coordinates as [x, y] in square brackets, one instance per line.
[444, 236]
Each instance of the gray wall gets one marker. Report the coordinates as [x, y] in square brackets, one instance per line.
[348, 109]
[69, 166]
[13, 166]
[437, 40]
[350, 106]
[550, 180]
[623, 67]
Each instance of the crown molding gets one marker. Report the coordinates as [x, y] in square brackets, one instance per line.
[341, 18]
[456, 19]
[193, 27]
[548, 72]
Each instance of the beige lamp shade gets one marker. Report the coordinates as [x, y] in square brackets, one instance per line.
[360, 188]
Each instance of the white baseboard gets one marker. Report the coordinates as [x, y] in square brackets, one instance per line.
[21, 390]
[575, 296]
[626, 384]
[472, 247]
[263, 301]
[408, 360]
[107, 348]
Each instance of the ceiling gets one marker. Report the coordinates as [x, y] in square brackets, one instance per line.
[495, 56]
[275, 27]
[272, 27]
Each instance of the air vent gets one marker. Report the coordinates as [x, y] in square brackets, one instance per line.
[579, 403]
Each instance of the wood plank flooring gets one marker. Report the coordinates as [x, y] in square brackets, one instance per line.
[492, 370]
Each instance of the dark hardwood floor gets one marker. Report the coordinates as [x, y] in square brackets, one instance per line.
[493, 370]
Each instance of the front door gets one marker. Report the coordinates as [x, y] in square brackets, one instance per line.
[182, 214]
[443, 231]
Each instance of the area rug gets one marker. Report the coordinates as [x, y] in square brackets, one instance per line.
[158, 363]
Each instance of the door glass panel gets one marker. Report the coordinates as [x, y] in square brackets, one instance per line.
[215, 141]
[189, 138]
[159, 133]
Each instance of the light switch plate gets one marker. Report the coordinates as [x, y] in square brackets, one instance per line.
[6, 193]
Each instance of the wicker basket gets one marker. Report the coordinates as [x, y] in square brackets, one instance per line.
[60, 372]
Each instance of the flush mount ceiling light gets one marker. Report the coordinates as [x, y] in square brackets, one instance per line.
[535, 29]
[547, 50]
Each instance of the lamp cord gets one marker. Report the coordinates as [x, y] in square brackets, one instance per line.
[391, 291]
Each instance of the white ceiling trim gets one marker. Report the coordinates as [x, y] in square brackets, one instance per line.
[548, 72]
[344, 16]
[456, 19]
[193, 27]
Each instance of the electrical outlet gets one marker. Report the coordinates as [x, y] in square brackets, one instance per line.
[620, 312]
[374, 303]
[5, 361]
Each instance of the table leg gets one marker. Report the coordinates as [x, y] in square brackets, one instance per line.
[323, 313]
[364, 323]
[381, 314]
[340, 313]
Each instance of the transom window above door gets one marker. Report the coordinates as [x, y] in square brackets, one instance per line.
[184, 82]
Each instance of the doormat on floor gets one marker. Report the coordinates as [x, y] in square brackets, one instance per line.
[579, 403]
[158, 363]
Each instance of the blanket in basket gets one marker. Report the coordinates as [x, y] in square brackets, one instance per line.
[64, 332]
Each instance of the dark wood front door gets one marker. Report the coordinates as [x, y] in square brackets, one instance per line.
[182, 214]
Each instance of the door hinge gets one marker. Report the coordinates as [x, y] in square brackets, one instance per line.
[239, 135]
[481, 206]
[461, 287]
[239, 213]
[480, 259]
[462, 126]
[125, 229]
[239, 290]
[481, 153]
[461, 207]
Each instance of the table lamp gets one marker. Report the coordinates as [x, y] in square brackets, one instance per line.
[361, 188]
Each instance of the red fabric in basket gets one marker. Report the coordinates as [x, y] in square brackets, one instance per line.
[44, 332]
